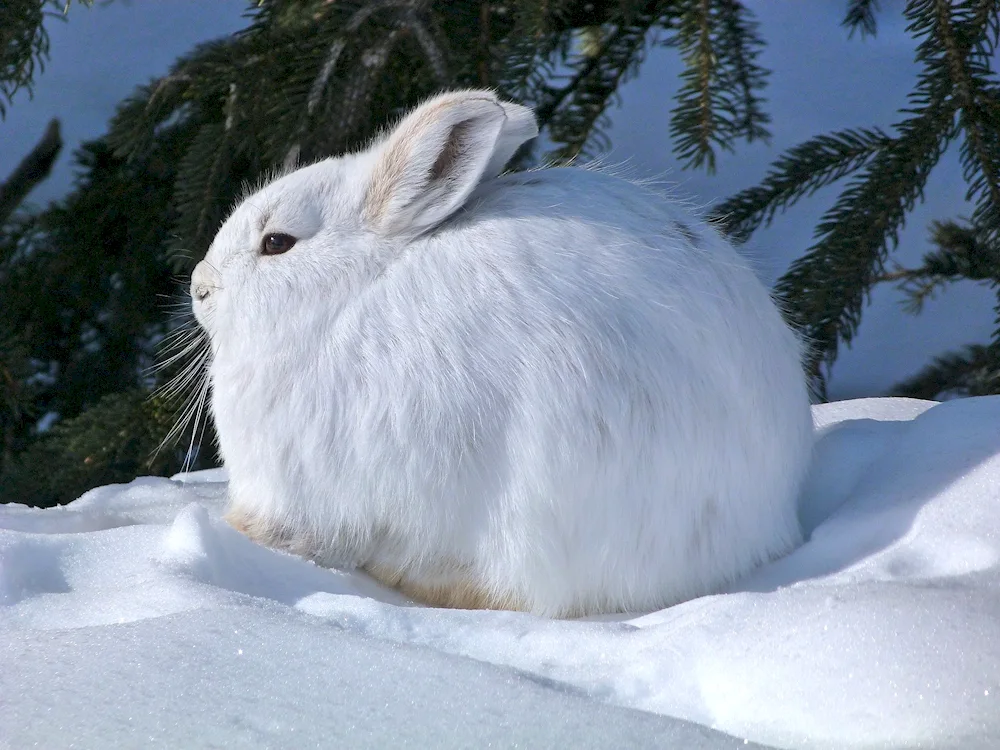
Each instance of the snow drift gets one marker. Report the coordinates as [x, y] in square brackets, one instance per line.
[135, 617]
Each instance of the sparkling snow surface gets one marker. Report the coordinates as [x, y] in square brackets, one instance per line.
[135, 618]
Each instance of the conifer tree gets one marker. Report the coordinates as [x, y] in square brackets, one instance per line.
[956, 100]
[84, 282]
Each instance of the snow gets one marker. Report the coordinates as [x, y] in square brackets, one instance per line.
[135, 617]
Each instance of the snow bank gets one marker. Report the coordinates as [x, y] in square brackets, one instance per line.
[134, 616]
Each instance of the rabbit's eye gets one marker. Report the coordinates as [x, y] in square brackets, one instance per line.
[276, 244]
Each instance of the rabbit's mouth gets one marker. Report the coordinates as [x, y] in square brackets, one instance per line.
[205, 287]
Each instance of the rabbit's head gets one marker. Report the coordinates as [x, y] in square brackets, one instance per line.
[301, 245]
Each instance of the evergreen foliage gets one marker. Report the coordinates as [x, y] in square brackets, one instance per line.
[112, 442]
[956, 101]
[24, 43]
[32, 170]
[86, 283]
[85, 286]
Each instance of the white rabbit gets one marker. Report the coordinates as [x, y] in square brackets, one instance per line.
[549, 391]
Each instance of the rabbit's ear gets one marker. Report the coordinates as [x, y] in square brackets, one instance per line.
[427, 167]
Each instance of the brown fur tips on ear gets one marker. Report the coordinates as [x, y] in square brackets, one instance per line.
[428, 166]
[388, 173]
[390, 169]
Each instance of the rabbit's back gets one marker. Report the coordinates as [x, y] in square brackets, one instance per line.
[601, 385]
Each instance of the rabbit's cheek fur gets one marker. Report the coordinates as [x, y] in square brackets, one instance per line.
[564, 397]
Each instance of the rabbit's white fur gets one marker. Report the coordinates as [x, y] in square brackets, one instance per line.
[549, 391]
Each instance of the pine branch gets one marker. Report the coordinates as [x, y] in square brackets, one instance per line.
[203, 75]
[431, 46]
[484, 53]
[16, 395]
[740, 46]
[718, 101]
[860, 17]
[962, 253]
[694, 126]
[824, 291]
[979, 113]
[798, 173]
[996, 316]
[24, 43]
[360, 88]
[572, 111]
[32, 170]
[528, 63]
[198, 196]
[973, 371]
[320, 82]
[403, 17]
[112, 442]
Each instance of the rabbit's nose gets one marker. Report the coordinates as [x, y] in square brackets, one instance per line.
[201, 283]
